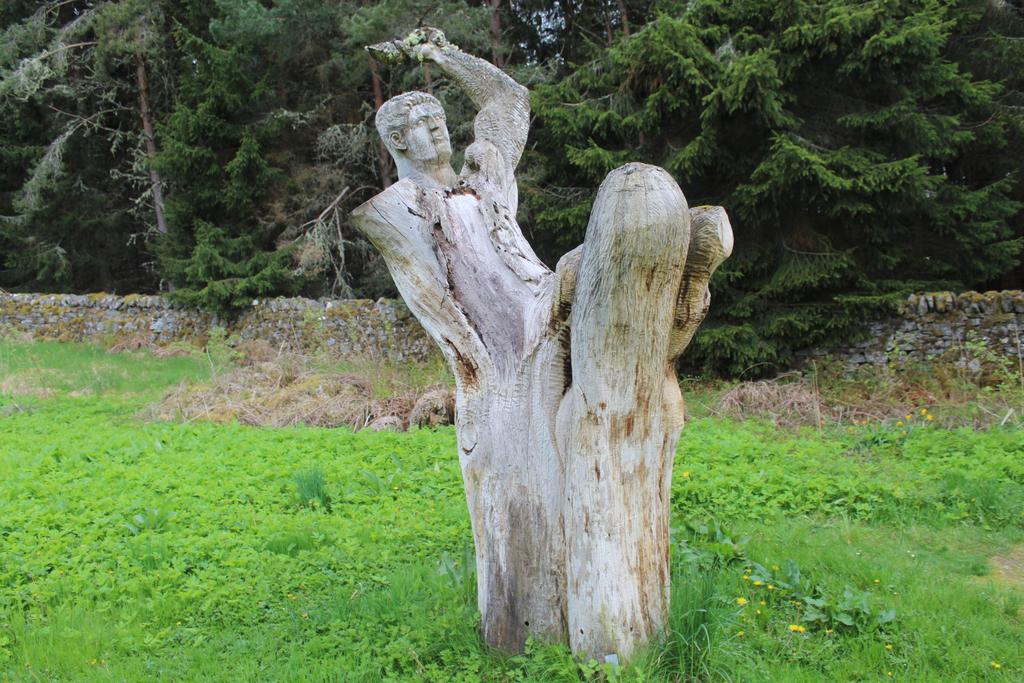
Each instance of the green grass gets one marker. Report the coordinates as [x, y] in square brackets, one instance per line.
[46, 367]
[134, 551]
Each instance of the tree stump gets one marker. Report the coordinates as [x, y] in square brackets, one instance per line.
[568, 409]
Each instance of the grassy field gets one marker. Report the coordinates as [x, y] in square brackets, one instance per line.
[133, 550]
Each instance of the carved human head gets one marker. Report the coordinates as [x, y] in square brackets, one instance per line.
[412, 126]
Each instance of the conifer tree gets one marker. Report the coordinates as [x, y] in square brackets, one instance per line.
[858, 152]
[271, 144]
[77, 199]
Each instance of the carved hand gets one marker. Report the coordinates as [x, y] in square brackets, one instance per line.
[423, 44]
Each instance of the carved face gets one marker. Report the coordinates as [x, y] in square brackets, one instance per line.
[425, 137]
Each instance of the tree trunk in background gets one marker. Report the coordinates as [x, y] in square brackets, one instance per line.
[625, 18]
[497, 57]
[151, 151]
[384, 165]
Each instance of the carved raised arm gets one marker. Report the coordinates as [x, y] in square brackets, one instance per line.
[503, 121]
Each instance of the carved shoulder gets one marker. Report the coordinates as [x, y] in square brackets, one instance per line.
[389, 213]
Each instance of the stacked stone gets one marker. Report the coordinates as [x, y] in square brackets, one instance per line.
[927, 326]
[939, 324]
[347, 328]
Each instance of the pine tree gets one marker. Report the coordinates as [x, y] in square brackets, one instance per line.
[271, 144]
[75, 197]
[858, 156]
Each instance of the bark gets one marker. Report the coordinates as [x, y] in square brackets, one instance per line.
[156, 182]
[625, 18]
[619, 422]
[568, 410]
[497, 57]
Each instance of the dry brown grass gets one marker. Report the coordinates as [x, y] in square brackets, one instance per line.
[141, 342]
[870, 396]
[787, 404]
[27, 383]
[134, 343]
[291, 390]
[9, 332]
[1008, 568]
[253, 351]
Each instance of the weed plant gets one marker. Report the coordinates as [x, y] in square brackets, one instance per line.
[311, 488]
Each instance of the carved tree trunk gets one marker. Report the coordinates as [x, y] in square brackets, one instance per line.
[567, 405]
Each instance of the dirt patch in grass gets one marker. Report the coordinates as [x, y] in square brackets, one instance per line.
[28, 383]
[1008, 568]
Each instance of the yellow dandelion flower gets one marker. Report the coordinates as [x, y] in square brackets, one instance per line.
[763, 603]
[997, 665]
[924, 411]
[797, 628]
[888, 646]
[757, 611]
[741, 601]
[771, 587]
[930, 418]
[686, 474]
[746, 578]
[878, 581]
[829, 631]
[899, 423]
[739, 634]
[759, 583]
[908, 417]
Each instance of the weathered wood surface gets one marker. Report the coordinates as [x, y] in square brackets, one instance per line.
[567, 406]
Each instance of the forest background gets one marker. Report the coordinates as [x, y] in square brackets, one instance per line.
[213, 150]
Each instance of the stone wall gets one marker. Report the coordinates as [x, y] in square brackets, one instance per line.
[939, 324]
[928, 325]
[355, 327]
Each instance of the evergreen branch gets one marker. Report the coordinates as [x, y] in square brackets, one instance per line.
[330, 207]
[89, 120]
[57, 5]
[13, 220]
[33, 71]
[799, 252]
[49, 168]
[49, 53]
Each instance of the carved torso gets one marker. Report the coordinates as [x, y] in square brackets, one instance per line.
[479, 266]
